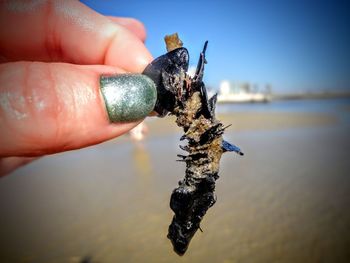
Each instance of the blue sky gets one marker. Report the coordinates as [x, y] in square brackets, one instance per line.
[293, 45]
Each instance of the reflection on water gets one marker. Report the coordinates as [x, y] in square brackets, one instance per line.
[286, 200]
[141, 160]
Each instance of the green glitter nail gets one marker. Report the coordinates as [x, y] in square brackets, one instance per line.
[128, 97]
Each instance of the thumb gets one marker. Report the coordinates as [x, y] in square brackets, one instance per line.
[53, 107]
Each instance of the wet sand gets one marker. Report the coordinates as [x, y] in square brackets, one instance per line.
[286, 200]
[253, 121]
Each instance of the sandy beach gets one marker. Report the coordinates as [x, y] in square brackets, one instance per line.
[286, 200]
[252, 121]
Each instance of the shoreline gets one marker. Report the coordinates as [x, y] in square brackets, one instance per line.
[251, 121]
[311, 96]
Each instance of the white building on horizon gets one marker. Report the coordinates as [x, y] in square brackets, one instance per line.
[238, 92]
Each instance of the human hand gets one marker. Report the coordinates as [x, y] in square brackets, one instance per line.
[53, 54]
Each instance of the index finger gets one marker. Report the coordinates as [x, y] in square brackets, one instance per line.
[67, 31]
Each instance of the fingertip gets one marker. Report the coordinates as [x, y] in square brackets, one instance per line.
[127, 51]
[133, 25]
[128, 97]
[113, 43]
[53, 107]
[69, 31]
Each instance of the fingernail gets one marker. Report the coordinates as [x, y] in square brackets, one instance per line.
[128, 97]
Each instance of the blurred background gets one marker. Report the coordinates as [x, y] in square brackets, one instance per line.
[292, 45]
[282, 72]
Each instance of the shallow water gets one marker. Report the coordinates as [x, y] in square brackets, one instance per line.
[286, 200]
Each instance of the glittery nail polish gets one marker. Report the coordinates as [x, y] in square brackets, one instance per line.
[128, 97]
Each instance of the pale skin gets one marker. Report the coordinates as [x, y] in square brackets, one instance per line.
[52, 54]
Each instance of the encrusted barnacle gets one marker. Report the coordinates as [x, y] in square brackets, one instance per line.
[186, 98]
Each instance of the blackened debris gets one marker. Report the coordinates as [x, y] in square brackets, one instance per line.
[186, 98]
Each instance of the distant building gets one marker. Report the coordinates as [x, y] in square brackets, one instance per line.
[231, 92]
